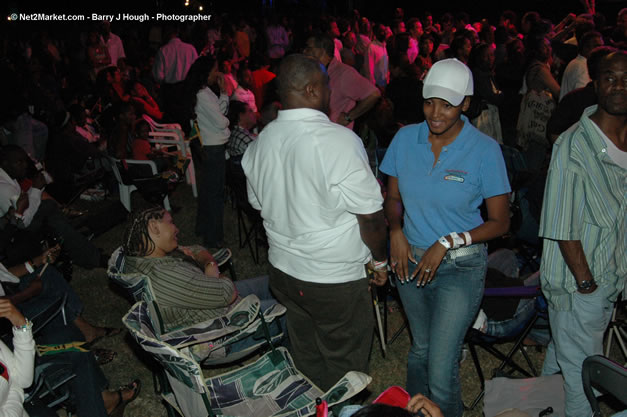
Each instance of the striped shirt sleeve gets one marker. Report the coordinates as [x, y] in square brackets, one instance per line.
[183, 285]
[563, 205]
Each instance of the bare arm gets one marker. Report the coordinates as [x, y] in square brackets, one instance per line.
[33, 290]
[497, 223]
[373, 232]
[575, 258]
[203, 258]
[362, 107]
[544, 79]
[400, 251]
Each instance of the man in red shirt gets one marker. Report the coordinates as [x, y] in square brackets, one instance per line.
[351, 94]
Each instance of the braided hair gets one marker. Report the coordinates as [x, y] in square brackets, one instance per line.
[137, 241]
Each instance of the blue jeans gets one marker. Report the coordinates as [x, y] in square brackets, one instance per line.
[577, 334]
[439, 315]
[54, 286]
[261, 288]
[525, 310]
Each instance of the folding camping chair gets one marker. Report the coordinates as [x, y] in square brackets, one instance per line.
[209, 341]
[606, 375]
[617, 330]
[271, 386]
[507, 365]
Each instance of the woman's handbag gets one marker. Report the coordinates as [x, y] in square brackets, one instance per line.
[535, 111]
[489, 122]
[195, 143]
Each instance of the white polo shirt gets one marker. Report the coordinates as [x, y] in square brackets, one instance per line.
[310, 177]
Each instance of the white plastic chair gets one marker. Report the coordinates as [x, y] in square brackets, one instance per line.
[126, 188]
[172, 135]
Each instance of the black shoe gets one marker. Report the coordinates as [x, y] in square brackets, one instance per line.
[104, 261]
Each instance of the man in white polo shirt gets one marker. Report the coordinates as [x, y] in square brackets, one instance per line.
[322, 210]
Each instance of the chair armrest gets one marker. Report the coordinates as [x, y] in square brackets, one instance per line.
[274, 311]
[522, 292]
[173, 135]
[155, 125]
[224, 327]
[150, 163]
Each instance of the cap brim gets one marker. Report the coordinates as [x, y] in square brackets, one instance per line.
[435, 91]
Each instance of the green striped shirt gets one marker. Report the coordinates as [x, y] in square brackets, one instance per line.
[585, 199]
[184, 294]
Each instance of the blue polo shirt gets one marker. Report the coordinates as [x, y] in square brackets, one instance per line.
[445, 198]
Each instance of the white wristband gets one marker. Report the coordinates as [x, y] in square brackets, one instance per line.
[457, 240]
[29, 267]
[444, 242]
[468, 238]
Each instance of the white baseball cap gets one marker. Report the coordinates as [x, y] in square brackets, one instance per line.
[450, 80]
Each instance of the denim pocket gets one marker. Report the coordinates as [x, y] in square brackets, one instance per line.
[476, 261]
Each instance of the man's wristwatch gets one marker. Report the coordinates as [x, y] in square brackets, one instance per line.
[586, 284]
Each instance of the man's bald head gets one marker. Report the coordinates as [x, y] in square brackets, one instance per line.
[303, 83]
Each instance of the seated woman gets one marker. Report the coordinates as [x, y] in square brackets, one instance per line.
[17, 366]
[41, 285]
[170, 164]
[88, 386]
[186, 282]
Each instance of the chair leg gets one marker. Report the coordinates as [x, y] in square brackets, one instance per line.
[385, 310]
[379, 324]
[232, 270]
[241, 224]
[507, 359]
[616, 330]
[125, 197]
[398, 333]
[475, 359]
[190, 175]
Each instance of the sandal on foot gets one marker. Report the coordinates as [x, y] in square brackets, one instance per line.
[108, 332]
[118, 411]
[104, 356]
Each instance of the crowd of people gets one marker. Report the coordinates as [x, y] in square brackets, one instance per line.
[453, 115]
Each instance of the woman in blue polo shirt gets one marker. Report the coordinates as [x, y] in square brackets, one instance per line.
[440, 171]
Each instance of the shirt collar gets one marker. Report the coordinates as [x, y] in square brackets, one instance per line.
[594, 139]
[300, 114]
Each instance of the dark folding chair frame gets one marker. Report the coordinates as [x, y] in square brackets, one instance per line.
[605, 375]
[475, 338]
[250, 230]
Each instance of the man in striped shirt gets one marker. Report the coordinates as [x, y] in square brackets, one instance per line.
[584, 262]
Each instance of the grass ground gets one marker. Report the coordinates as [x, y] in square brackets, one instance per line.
[105, 306]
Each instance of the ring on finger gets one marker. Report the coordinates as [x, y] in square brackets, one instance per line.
[427, 270]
